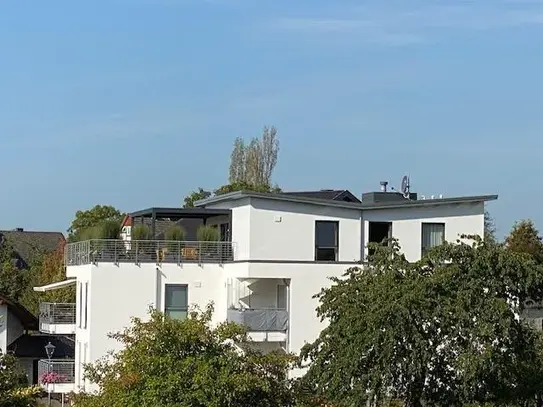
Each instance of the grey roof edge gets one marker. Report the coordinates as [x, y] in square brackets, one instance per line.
[232, 196]
[148, 211]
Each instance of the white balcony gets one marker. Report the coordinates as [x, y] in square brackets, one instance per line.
[263, 325]
[57, 318]
[56, 376]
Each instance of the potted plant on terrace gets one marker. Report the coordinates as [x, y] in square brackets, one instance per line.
[172, 250]
[208, 237]
[145, 251]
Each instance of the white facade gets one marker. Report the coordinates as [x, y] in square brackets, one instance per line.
[273, 267]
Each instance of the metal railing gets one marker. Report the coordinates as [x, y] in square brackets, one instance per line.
[260, 320]
[57, 313]
[56, 371]
[147, 251]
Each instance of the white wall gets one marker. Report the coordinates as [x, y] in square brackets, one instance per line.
[407, 223]
[3, 328]
[286, 231]
[10, 328]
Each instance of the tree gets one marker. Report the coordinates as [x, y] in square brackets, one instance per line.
[50, 269]
[13, 282]
[490, 228]
[91, 218]
[253, 164]
[14, 390]
[194, 196]
[167, 362]
[442, 331]
[524, 238]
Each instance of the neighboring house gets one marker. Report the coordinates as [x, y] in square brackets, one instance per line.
[29, 246]
[277, 251]
[18, 337]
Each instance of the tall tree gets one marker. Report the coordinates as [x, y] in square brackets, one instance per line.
[13, 282]
[166, 362]
[524, 238]
[442, 332]
[194, 196]
[91, 218]
[253, 164]
[490, 228]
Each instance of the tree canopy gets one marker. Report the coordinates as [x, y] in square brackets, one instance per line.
[14, 389]
[251, 167]
[167, 363]
[443, 331]
[86, 220]
[524, 238]
[13, 282]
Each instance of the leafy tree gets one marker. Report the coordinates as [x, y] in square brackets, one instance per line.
[167, 363]
[13, 282]
[490, 228]
[524, 238]
[442, 331]
[91, 218]
[253, 164]
[50, 269]
[194, 196]
[14, 390]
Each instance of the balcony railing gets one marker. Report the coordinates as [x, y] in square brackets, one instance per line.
[56, 371]
[57, 313]
[147, 251]
[260, 320]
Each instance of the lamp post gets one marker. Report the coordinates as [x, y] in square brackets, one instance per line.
[49, 350]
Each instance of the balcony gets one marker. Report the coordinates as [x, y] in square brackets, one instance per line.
[56, 376]
[263, 325]
[56, 318]
[147, 251]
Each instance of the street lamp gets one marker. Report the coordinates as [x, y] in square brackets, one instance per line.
[49, 350]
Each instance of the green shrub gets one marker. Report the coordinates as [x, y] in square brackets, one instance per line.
[141, 232]
[110, 229]
[91, 233]
[207, 233]
[175, 233]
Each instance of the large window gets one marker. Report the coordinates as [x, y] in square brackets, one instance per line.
[326, 240]
[433, 234]
[176, 301]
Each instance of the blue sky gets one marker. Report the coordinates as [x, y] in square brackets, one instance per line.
[136, 102]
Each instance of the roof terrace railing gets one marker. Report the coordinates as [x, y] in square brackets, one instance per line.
[57, 313]
[147, 251]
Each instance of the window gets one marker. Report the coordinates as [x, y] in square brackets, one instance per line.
[433, 234]
[281, 296]
[379, 232]
[80, 310]
[176, 301]
[86, 305]
[326, 240]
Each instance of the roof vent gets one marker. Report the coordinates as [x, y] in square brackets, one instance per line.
[384, 186]
[19, 230]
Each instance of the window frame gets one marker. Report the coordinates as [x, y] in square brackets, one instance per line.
[425, 249]
[336, 247]
[184, 308]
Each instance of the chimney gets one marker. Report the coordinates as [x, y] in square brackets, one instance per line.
[19, 230]
[384, 186]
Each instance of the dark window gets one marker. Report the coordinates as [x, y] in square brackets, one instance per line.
[326, 241]
[433, 234]
[176, 301]
[379, 232]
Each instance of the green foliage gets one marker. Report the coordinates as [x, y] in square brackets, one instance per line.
[141, 232]
[207, 233]
[176, 233]
[490, 228]
[110, 229]
[524, 238]
[14, 390]
[50, 269]
[85, 220]
[442, 331]
[168, 363]
[194, 196]
[13, 282]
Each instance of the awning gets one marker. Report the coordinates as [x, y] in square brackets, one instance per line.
[55, 286]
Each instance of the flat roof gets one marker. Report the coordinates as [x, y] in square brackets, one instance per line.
[180, 213]
[348, 205]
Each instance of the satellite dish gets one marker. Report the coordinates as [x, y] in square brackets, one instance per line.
[405, 186]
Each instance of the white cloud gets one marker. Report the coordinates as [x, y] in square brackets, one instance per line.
[397, 25]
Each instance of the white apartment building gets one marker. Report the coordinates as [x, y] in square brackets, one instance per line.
[276, 252]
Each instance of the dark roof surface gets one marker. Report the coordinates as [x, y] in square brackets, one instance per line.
[29, 246]
[330, 194]
[29, 321]
[349, 205]
[33, 346]
[180, 213]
